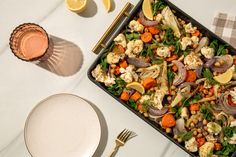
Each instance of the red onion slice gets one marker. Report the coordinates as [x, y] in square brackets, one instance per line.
[225, 105]
[145, 21]
[228, 62]
[156, 112]
[181, 73]
[210, 62]
[203, 42]
[187, 84]
[199, 71]
[139, 63]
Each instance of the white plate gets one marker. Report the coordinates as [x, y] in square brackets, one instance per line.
[62, 125]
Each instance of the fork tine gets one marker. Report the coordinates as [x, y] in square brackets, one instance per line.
[127, 136]
[121, 133]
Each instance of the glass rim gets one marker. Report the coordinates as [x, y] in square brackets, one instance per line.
[20, 27]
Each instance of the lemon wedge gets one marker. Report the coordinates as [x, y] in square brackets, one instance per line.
[76, 5]
[107, 4]
[147, 9]
[225, 77]
[137, 86]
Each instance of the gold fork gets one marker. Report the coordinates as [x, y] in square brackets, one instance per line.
[121, 139]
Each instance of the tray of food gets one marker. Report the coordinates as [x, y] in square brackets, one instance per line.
[173, 73]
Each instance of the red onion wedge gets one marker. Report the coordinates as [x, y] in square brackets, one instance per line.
[145, 21]
[227, 61]
[203, 42]
[210, 62]
[228, 109]
[181, 73]
[199, 71]
[139, 63]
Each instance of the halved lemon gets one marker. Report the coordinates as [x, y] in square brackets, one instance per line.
[76, 5]
[225, 77]
[137, 86]
[107, 4]
[147, 9]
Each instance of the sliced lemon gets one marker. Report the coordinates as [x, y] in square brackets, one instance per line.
[225, 77]
[137, 86]
[107, 4]
[76, 5]
[147, 9]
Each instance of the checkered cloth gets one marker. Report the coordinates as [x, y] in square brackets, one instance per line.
[224, 26]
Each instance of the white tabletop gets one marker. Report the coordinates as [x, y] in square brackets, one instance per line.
[23, 85]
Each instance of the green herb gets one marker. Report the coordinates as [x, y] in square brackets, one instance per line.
[185, 136]
[117, 88]
[169, 38]
[222, 50]
[229, 131]
[177, 49]
[219, 49]
[157, 6]
[186, 101]
[131, 36]
[170, 76]
[132, 103]
[206, 112]
[214, 45]
[226, 150]
[103, 60]
[178, 110]
[157, 61]
[196, 98]
[146, 104]
[186, 53]
[209, 76]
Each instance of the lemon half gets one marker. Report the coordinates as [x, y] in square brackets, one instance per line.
[147, 9]
[107, 4]
[137, 86]
[76, 5]
[225, 77]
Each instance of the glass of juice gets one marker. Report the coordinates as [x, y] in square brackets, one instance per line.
[29, 42]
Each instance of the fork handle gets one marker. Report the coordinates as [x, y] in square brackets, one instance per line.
[114, 151]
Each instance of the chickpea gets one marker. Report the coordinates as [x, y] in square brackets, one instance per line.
[175, 136]
[205, 133]
[217, 64]
[200, 119]
[205, 91]
[199, 135]
[179, 140]
[199, 130]
[173, 93]
[222, 62]
[113, 65]
[168, 130]
[145, 114]
[205, 122]
[212, 102]
[169, 98]
[195, 46]
[192, 124]
[195, 121]
[205, 127]
[193, 112]
[172, 87]
[195, 133]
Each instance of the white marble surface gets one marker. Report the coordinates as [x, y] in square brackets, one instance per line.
[22, 85]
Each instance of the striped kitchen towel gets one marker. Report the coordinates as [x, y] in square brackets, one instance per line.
[224, 26]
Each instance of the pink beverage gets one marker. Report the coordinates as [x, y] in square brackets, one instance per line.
[29, 42]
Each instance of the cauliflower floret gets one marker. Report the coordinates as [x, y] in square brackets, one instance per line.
[192, 60]
[163, 51]
[213, 128]
[195, 39]
[159, 17]
[233, 94]
[232, 140]
[144, 98]
[189, 28]
[136, 26]
[206, 149]
[186, 41]
[191, 145]
[113, 58]
[233, 123]
[128, 74]
[101, 76]
[157, 98]
[184, 113]
[120, 40]
[211, 138]
[134, 47]
[207, 52]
